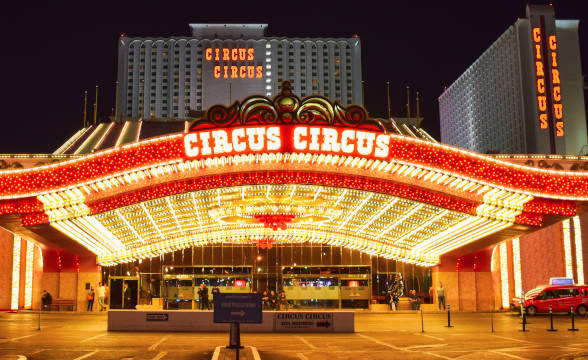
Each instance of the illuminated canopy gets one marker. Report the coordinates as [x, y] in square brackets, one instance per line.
[285, 170]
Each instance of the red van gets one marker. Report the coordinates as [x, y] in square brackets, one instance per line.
[560, 297]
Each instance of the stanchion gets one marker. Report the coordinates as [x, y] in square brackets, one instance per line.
[573, 325]
[551, 319]
[422, 322]
[235, 339]
[492, 317]
[449, 316]
[524, 323]
[39, 323]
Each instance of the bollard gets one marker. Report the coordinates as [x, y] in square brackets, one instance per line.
[551, 319]
[422, 322]
[573, 325]
[449, 316]
[524, 322]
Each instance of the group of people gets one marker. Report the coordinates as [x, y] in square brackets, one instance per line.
[100, 291]
[272, 301]
[203, 295]
[393, 295]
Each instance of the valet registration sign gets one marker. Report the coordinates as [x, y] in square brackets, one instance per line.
[304, 322]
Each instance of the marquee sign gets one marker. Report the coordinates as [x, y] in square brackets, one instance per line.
[286, 138]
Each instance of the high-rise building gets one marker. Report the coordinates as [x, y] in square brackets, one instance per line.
[524, 94]
[220, 63]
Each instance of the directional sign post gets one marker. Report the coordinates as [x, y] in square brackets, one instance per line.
[237, 309]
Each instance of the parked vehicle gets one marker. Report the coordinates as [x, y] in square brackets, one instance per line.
[560, 297]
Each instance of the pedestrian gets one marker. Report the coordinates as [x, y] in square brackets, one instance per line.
[388, 300]
[265, 300]
[128, 297]
[215, 290]
[413, 299]
[91, 295]
[101, 293]
[203, 296]
[46, 299]
[282, 301]
[273, 300]
[441, 296]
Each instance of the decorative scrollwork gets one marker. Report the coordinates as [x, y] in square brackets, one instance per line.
[258, 110]
[286, 108]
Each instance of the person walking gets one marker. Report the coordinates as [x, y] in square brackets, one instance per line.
[46, 299]
[91, 295]
[282, 301]
[441, 296]
[101, 293]
[128, 297]
[273, 300]
[203, 296]
[215, 290]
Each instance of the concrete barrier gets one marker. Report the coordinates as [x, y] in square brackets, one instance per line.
[189, 320]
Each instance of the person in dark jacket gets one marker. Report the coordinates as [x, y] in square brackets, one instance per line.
[203, 296]
[46, 299]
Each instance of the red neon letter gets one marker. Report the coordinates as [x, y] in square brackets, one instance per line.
[536, 34]
[552, 42]
[542, 102]
[250, 54]
[558, 111]
[208, 54]
[556, 93]
[554, 76]
[259, 72]
[226, 55]
[539, 67]
[541, 86]
[543, 121]
[559, 131]
[216, 71]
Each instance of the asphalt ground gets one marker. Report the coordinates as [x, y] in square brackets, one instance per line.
[77, 336]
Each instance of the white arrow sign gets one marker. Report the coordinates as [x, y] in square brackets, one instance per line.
[240, 313]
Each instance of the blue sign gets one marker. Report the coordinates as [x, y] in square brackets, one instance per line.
[237, 308]
[561, 281]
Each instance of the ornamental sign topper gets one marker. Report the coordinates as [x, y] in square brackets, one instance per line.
[286, 124]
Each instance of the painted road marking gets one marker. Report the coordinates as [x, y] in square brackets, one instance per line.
[398, 348]
[255, 353]
[17, 338]
[506, 354]
[216, 353]
[154, 346]
[424, 346]
[312, 347]
[301, 356]
[433, 337]
[160, 355]
[87, 355]
[508, 338]
[92, 338]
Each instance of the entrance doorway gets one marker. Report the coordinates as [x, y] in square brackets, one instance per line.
[117, 285]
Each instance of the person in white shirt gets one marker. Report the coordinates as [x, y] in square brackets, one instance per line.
[101, 292]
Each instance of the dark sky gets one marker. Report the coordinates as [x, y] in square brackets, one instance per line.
[53, 51]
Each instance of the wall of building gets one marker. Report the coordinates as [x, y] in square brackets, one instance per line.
[65, 276]
[467, 281]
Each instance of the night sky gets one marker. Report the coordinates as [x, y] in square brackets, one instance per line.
[54, 51]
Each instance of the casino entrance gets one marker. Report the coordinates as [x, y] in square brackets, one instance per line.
[313, 276]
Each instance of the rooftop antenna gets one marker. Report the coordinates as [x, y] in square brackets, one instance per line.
[96, 106]
[116, 101]
[362, 93]
[388, 96]
[85, 107]
[408, 104]
[418, 114]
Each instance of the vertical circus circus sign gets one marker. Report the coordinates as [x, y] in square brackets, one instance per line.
[548, 82]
